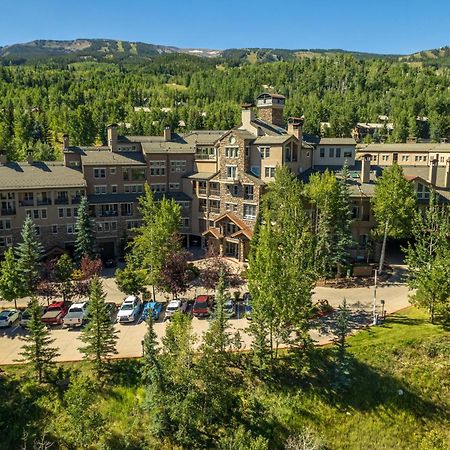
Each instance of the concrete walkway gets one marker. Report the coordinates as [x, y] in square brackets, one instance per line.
[360, 300]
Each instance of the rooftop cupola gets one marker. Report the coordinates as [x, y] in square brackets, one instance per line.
[270, 108]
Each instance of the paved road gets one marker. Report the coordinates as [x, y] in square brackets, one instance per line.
[360, 300]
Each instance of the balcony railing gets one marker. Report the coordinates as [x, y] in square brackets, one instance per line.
[214, 210]
[45, 201]
[26, 202]
[8, 211]
[202, 156]
[109, 214]
[248, 197]
[202, 191]
[61, 201]
[214, 192]
[76, 200]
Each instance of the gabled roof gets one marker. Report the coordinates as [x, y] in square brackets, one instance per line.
[202, 175]
[234, 218]
[337, 141]
[107, 157]
[214, 231]
[268, 128]
[269, 94]
[203, 137]
[39, 175]
[281, 139]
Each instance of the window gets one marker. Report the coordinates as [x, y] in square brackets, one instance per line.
[248, 192]
[231, 207]
[322, 152]
[37, 230]
[234, 190]
[174, 186]
[55, 229]
[423, 192]
[68, 212]
[43, 213]
[35, 214]
[114, 189]
[231, 152]
[249, 212]
[348, 153]
[138, 174]
[269, 172]
[338, 152]
[355, 212]
[405, 157]
[178, 166]
[157, 168]
[60, 212]
[100, 190]
[331, 152]
[70, 228]
[5, 224]
[247, 151]
[231, 172]
[295, 153]
[264, 152]
[5, 241]
[126, 209]
[287, 154]
[384, 157]
[99, 173]
[134, 188]
[185, 222]
[112, 170]
[230, 228]
[131, 224]
[158, 187]
[205, 153]
[105, 227]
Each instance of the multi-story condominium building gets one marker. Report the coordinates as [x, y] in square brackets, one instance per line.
[218, 178]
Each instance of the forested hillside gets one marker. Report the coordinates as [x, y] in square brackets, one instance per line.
[40, 102]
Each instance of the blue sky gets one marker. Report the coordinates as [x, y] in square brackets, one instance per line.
[383, 26]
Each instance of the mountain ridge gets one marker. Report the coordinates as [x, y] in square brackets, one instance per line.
[119, 50]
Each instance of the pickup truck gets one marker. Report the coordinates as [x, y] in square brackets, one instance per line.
[201, 306]
[55, 313]
[76, 316]
[129, 310]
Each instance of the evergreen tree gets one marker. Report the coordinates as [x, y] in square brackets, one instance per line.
[393, 205]
[10, 278]
[29, 254]
[37, 349]
[84, 229]
[157, 239]
[98, 335]
[428, 257]
[63, 271]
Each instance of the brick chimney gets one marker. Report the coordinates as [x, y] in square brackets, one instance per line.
[295, 127]
[447, 174]
[112, 137]
[365, 168]
[432, 174]
[30, 157]
[3, 158]
[270, 108]
[167, 134]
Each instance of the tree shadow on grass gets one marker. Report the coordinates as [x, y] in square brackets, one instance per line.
[368, 388]
[125, 372]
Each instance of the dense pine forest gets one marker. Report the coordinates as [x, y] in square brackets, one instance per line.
[40, 102]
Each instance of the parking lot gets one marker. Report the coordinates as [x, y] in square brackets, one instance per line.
[359, 299]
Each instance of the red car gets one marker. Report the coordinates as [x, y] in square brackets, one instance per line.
[201, 306]
[55, 313]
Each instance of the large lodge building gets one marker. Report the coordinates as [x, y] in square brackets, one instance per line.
[217, 177]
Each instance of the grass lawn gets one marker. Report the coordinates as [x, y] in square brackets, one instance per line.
[398, 397]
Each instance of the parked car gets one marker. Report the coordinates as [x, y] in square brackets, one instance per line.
[152, 308]
[248, 309]
[229, 308]
[129, 310]
[55, 313]
[26, 316]
[173, 307]
[8, 317]
[112, 310]
[201, 306]
[76, 315]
